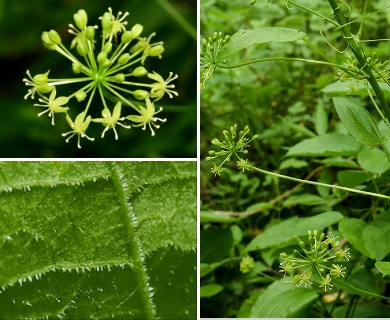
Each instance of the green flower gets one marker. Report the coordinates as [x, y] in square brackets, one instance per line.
[79, 127]
[147, 117]
[233, 145]
[325, 282]
[111, 120]
[209, 52]
[39, 84]
[162, 86]
[53, 105]
[112, 25]
[247, 264]
[316, 258]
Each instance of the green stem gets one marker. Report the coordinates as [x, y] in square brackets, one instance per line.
[346, 285]
[311, 11]
[372, 194]
[359, 55]
[329, 64]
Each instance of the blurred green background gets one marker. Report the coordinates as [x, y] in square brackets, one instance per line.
[24, 134]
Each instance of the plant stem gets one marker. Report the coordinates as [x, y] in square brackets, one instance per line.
[372, 194]
[346, 285]
[359, 55]
[311, 11]
[349, 71]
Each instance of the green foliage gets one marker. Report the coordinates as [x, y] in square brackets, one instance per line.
[319, 105]
[98, 240]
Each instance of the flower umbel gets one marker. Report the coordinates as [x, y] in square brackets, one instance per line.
[112, 69]
[232, 145]
[247, 264]
[317, 258]
[209, 52]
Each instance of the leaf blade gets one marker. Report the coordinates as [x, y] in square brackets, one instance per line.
[358, 121]
[78, 239]
[244, 38]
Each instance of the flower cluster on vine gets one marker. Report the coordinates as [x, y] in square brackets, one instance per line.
[111, 70]
[315, 262]
[381, 71]
[234, 144]
[209, 51]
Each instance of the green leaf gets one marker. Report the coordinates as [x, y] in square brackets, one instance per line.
[279, 300]
[352, 178]
[298, 128]
[286, 230]
[210, 290]
[206, 268]
[340, 162]
[358, 121]
[244, 38]
[320, 118]
[373, 160]
[211, 216]
[363, 311]
[330, 144]
[305, 199]
[383, 267]
[372, 240]
[293, 163]
[98, 239]
[215, 244]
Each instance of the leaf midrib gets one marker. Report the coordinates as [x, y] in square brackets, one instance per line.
[129, 221]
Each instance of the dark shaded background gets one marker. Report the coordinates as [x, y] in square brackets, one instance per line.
[24, 134]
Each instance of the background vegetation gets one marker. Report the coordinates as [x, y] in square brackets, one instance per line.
[287, 103]
[23, 134]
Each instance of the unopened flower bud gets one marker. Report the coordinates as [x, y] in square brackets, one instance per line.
[46, 41]
[102, 56]
[54, 37]
[156, 51]
[42, 78]
[77, 67]
[140, 94]
[80, 19]
[120, 77]
[80, 95]
[124, 58]
[81, 49]
[136, 30]
[90, 33]
[127, 37]
[106, 20]
[139, 72]
[107, 47]
[106, 63]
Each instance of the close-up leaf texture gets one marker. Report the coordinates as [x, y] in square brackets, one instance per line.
[88, 239]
